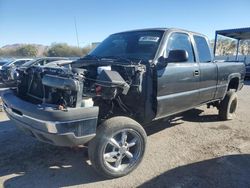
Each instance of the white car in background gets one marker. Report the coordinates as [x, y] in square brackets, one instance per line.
[15, 62]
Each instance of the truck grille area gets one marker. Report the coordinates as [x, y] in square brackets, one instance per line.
[35, 87]
[31, 88]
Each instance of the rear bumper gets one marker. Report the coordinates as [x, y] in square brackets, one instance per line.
[73, 127]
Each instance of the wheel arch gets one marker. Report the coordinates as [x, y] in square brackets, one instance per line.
[233, 82]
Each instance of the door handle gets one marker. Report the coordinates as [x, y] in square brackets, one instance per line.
[196, 73]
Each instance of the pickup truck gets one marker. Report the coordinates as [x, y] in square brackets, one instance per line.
[129, 80]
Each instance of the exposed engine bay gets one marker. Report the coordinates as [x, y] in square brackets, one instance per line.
[116, 88]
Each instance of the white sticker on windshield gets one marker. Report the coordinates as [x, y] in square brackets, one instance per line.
[149, 39]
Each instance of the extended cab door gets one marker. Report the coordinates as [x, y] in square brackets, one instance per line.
[208, 69]
[178, 83]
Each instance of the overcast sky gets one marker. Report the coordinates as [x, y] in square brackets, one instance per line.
[48, 21]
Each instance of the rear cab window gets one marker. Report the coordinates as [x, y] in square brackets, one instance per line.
[203, 49]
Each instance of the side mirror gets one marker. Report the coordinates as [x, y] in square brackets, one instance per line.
[177, 56]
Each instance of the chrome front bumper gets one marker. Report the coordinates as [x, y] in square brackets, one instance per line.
[73, 127]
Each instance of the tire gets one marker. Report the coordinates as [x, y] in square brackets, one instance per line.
[228, 106]
[118, 147]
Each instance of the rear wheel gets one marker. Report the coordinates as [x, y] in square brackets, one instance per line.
[228, 106]
[118, 147]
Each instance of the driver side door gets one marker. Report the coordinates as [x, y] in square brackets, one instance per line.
[178, 82]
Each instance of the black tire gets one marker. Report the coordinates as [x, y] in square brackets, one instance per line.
[115, 128]
[228, 106]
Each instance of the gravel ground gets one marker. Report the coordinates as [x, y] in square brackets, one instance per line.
[193, 149]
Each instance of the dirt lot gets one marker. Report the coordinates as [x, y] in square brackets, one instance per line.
[192, 150]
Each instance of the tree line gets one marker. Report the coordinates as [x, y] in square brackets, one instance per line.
[224, 47]
[55, 50]
[228, 47]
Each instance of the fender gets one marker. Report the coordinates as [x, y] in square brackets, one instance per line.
[230, 77]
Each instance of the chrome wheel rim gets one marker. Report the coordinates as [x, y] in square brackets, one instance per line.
[123, 150]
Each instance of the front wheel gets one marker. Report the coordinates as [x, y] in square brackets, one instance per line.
[228, 106]
[118, 147]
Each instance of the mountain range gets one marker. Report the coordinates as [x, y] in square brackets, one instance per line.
[40, 48]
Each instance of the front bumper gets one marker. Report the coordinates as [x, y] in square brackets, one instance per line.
[73, 127]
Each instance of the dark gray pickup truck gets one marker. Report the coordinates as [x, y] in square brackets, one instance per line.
[131, 79]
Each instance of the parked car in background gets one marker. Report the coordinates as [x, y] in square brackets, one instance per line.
[17, 62]
[10, 72]
[8, 67]
[41, 61]
[3, 62]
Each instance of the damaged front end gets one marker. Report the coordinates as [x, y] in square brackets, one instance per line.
[113, 87]
[63, 106]
[117, 78]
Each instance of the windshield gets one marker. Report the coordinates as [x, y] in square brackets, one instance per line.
[132, 45]
[9, 63]
[27, 64]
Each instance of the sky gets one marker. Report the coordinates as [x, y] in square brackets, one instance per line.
[52, 21]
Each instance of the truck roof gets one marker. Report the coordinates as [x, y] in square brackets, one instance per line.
[239, 33]
[163, 29]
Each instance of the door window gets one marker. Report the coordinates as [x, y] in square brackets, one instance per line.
[203, 49]
[181, 41]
